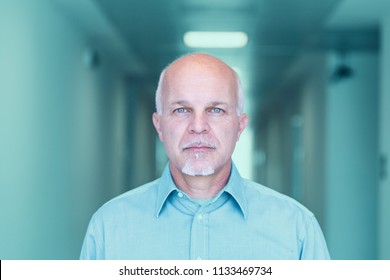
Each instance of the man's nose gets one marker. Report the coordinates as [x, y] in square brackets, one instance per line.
[199, 123]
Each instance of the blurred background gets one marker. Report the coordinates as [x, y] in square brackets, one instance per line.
[77, 84]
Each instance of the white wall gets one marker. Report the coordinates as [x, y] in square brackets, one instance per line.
[339, 126]
[144, 153]
[293, 136]
[243, 153]
[274, 141]
[351, 160]
[63, 131]
[384, 190]
[312, 108]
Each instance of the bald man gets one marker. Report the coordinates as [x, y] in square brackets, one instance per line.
[201, 208]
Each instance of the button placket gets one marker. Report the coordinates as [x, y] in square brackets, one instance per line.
[199, 235]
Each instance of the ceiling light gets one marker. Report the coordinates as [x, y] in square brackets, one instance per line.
[197, 39]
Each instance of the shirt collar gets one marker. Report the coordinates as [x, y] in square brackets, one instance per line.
[165, 187]
[234, 187]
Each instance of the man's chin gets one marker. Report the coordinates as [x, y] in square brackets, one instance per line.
[190, 170]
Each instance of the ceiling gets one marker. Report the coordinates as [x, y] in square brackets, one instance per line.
[279, 31]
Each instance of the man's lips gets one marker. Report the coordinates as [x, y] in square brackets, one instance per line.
[198, 147]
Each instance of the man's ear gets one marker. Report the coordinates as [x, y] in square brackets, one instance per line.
[156, 121]
[243, 122]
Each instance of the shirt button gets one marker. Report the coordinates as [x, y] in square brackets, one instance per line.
[179, 194]
[200, 217]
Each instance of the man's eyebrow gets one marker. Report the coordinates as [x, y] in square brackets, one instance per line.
[186, 103]
[224, 105]
[219, 103]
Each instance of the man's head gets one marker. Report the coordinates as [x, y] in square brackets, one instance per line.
[199, 115]
[240, 93]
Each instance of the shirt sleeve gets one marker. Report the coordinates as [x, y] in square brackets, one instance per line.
[91, 249]
[313, 244]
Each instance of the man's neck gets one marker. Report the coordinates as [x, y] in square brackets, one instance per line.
[201, 186]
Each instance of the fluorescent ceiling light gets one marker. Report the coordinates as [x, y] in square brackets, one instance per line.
[198, 39]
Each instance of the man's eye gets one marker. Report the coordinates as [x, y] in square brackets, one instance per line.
[216, 110]
[181, 110]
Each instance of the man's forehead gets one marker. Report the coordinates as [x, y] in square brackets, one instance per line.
[198, 59]
[198, 79]
[199, 65]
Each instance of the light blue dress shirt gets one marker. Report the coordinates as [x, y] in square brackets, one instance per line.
[244, 221]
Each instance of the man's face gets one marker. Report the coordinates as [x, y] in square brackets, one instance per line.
[199, 125]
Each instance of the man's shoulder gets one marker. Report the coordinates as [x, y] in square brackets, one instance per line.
[139, 197]
[273, 199]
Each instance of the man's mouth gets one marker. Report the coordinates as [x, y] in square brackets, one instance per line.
[198, 147]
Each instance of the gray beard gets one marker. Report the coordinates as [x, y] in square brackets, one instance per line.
[204, 171]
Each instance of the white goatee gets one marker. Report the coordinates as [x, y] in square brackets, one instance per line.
[204, 171]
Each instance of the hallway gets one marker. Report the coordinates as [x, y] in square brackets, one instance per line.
[77, 86]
